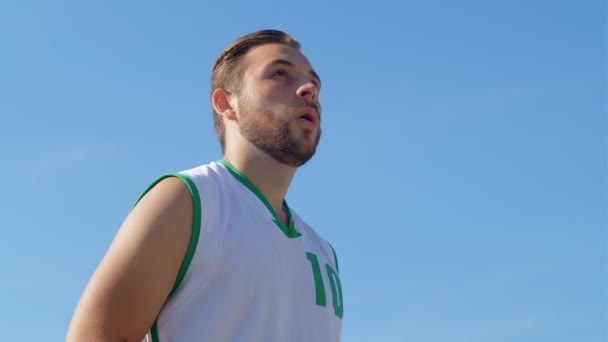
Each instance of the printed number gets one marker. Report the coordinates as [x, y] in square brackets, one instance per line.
[334, 282]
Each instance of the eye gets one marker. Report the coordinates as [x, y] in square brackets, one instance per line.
[280, 73]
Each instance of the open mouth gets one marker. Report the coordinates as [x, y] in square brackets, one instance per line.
[306, 117]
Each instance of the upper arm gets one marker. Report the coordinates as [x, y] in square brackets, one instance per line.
[135, 277]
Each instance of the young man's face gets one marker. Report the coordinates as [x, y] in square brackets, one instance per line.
[278, 103]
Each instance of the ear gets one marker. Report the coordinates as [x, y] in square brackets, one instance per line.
[220, 100]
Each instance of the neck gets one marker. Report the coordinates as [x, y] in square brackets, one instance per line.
[268, 175]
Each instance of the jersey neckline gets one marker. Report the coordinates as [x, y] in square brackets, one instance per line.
[289, 230]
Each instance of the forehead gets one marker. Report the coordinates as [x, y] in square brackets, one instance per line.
[263, 55]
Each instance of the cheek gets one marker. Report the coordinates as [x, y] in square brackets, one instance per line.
[274, 102]
[272, 113]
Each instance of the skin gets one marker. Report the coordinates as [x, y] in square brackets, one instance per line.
[274, 99]
[130, 285]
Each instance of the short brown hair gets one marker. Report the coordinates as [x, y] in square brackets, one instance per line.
[227, 72]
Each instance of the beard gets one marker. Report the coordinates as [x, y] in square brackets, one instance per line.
[267, 132]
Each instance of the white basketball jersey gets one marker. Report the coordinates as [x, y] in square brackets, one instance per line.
[246, 276]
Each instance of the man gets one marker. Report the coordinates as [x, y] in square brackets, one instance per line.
[215, 253]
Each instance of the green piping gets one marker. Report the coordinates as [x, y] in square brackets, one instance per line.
[194, 236]
[289, 230]
[196, 229]
[154, 332]
[335, 257]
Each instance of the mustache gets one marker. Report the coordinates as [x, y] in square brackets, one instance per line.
[310, 104]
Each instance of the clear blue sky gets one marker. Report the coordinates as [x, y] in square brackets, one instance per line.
[462, 176]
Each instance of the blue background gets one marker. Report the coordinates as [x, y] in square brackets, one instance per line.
[462, 176]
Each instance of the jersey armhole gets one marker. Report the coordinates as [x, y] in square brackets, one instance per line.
[194, 236]
[196, 224]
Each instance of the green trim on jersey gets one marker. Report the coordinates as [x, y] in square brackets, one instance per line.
[335, 257]
[154, 332]
[289, 230]
[194, 236]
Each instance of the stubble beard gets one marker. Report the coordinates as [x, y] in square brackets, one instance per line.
[264, 130]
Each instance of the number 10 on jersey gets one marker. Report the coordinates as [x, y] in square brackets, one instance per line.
[334, 282]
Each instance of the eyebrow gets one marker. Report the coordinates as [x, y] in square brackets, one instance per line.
[312, 73]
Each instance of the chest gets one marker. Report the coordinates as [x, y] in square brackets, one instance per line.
[290, 272]
[253, 247]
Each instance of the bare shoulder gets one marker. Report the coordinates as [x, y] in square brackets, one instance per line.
[130, 285]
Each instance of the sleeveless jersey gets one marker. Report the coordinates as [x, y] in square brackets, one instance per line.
[246, 276]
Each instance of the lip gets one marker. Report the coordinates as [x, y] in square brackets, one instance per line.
[312, 114]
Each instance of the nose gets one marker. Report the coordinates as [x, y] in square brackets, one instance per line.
[308, 91]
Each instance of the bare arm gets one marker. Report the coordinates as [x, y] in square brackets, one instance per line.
[130, 285]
